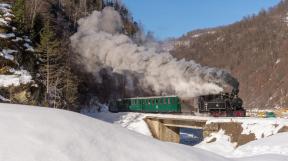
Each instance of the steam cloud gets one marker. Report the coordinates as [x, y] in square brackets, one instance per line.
[101, 44]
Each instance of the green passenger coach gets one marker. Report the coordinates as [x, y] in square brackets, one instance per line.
[160, 104]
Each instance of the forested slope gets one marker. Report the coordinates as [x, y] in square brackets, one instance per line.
[253, 49]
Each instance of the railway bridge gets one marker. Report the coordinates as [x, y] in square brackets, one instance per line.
[168, 129]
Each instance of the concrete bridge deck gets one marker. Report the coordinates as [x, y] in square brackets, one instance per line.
[168, 129]
[179, 122]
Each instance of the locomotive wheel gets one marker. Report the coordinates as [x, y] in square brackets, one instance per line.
[218, 113]
[229, 113]
[239, 113]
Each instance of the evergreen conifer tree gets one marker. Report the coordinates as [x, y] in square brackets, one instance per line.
[19, 13]
[49, 65]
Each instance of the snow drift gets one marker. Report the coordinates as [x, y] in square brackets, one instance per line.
[100, 45]
[42, 134]
[276, 144]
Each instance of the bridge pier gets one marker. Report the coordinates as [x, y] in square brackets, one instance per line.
[169, 129]
[162, 132]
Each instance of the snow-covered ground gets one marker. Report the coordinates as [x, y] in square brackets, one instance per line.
[218, 143]
[41, 134]
[261, 127]
[221, 145]
[131, 121]
[276, 144]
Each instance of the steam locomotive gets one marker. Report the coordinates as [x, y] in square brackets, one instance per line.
[223, 104]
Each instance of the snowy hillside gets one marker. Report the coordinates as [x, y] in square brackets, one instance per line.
[43, 134]
[13, 48]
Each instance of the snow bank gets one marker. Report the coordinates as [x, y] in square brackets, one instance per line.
[273, 145]
[261, 127]
[269, 157]
[276, 144]
[42, 134]
[218, 143]
[131, 121]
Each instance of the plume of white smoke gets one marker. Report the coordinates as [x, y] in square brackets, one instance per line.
[101, 44]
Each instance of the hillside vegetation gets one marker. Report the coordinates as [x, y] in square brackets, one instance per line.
[253, 49]
[56, 78]
[16, 53]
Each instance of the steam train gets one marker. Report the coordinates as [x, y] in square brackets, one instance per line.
[223, 104]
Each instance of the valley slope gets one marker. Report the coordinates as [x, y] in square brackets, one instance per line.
[253, 49]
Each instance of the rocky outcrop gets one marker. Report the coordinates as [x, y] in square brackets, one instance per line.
[232, 129]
